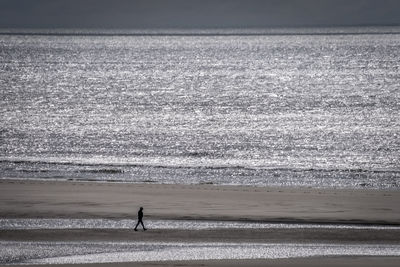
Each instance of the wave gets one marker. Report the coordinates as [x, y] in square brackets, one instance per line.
[114, 167]
[107, 171]
[104, 171]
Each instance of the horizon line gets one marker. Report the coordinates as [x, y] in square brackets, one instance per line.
[252, 31]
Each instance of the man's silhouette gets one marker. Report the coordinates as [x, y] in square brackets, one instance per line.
[140, 219]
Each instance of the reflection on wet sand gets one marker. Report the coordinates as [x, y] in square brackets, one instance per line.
[102, 252]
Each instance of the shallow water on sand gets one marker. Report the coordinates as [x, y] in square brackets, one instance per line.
[10, 224]
[96, 252]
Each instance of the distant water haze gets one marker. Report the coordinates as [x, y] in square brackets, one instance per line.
[128, 14]
[292, 110]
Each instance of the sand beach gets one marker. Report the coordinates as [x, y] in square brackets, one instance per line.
[71, 199]
[31, 199]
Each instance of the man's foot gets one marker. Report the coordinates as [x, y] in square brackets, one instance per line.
[135, 230]
[144, 229]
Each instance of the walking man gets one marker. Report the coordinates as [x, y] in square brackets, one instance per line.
[140, 219]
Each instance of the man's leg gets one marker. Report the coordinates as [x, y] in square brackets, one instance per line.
[137, 225]
[144, 228]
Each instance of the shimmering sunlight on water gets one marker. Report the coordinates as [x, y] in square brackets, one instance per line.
[14, 224]
[293, 110]
[95, 252]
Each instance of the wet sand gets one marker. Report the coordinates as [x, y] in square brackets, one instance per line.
[306, 236]
[33, 199]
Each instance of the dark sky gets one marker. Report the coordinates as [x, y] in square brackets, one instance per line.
[195, 13]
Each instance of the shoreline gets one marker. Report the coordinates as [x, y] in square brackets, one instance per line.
[151, 182]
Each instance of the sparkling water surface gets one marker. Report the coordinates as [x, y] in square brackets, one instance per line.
[97, 252]
[291, 110]
[14, 224]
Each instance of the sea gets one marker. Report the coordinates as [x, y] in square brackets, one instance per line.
[313, 108]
